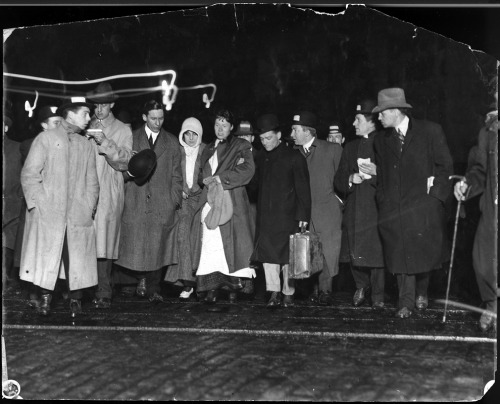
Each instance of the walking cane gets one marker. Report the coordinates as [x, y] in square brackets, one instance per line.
[461, 178]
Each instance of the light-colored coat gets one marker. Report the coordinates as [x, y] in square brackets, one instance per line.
[326, 214]
[61, 189]
[148, 237]
[112, 158]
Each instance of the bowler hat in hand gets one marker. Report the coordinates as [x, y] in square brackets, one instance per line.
[391, 98]
[305, 118]
[102, 94]
[267, 122]
[141, 165]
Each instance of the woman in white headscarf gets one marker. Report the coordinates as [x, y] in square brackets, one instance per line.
[190, 140]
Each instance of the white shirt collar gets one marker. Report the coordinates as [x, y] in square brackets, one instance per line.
[403, 126]
[149, 132]
[307, 146]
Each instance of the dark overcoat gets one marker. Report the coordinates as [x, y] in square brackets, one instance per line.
[147, 239]
[483, 179]
[284, 199]
[361, 244]
[326, 212]
[411, 220]
[235, 169]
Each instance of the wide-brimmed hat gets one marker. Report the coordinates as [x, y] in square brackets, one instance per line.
[192, 124]
[74, 102]
[103, 94]
[141, 165]
[267, 122]
[46, 112]
[305, 118]
[366, 106]
[244, 128]
[391, 98]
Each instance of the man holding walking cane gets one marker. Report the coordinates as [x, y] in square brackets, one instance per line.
[482, 179]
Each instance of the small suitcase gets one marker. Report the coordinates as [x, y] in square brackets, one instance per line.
[306, 255]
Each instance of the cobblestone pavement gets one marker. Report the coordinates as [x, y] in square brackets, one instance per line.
[182, 351]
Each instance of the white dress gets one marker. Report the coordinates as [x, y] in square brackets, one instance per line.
[213, 258]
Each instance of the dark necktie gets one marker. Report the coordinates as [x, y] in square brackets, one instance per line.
[401, 139]
[151, 141]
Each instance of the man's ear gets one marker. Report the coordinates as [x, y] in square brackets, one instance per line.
[279, 134]
[144, 118]
[44, 126]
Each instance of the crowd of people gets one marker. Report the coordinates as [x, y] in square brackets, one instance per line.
[104, 205]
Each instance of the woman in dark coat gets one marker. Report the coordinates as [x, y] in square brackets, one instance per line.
[222, 252]
[360, 237]
[192, 148]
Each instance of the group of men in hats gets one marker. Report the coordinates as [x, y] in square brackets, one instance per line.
[110, 207]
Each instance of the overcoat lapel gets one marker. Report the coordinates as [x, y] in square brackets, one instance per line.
[409, 135]
[161, 143]
[143, 139]
[392, 142]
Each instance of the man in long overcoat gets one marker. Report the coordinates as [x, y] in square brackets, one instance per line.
[147, 238]
[113, 148]
[356, 182]
[284, 205]
[323, 159]
[61, 189]
[413, 168]
[482, 179]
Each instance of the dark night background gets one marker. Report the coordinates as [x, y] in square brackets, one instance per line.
[268, 58]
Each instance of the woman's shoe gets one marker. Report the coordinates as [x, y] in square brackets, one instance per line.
[186, 292]
[211, 297]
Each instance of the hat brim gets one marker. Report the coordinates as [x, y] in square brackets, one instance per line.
[61, 109]
[380, 108]
[243, 133]
[104, 100]
[302, 123]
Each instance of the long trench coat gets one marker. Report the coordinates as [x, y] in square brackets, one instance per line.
[236, 168]
[284, 199]
[61, 189]
[147, 239]
[326, 213]
[112, 158]
[412, 221]
[361, 244]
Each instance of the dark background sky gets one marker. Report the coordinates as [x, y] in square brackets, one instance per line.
[276, 59]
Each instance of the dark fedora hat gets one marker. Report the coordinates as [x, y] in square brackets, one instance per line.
[305, 118]
[141, 165]
[365, 106]
[46, 112]
[103, 94]
[244, 128]
[389, 98]
[267, 122]
[74, 102]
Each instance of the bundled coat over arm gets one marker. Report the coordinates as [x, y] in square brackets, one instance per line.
[61, 189]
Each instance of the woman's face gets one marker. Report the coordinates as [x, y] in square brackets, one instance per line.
[191, 138]
[222, 128]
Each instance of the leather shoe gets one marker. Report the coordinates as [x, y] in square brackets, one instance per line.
[378, 305]
[404, 312]
[211, 297]
[487, 321]
[155, 298]
[186, 293]
[140, 290]
[102, 303]
[421, 302]
[232, 297]
[75, 307]
[359, 297]
[275, 301]
[43, 306]
[325, 299]
[288, 301]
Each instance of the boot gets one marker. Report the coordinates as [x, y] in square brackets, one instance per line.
[44, 306]
[75, 307]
